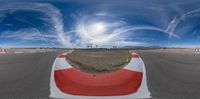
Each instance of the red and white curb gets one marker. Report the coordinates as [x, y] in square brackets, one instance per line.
[4, 51]
[197, 50]
[68, 82]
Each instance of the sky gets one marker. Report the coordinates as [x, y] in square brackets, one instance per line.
[106, 23]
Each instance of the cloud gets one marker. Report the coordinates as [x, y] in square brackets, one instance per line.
[54, 17]
[145, 16]
[116, 29]
[29, 34]
[176, 21]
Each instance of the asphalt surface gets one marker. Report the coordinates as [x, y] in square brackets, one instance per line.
[169, 75]
[172, 75]
[24, 76]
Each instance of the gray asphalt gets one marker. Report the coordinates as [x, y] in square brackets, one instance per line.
[169, 75]
[172, 75]
[24, 76]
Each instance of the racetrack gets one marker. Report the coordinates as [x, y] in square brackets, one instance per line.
[169, 75]
[26, 75]
[172, 75]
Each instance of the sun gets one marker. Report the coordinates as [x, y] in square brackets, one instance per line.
[97, 29]
[95, 32]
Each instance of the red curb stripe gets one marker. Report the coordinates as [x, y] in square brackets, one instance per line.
[135, 56]
[75, 82]
[62, 56]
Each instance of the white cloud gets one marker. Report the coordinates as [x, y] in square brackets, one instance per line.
[110, 37]
[55, 17]
[28, 34]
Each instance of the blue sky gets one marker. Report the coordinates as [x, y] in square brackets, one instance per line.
[78, 23]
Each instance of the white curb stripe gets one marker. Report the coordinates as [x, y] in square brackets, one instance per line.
[61, 63]
[135, 65]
